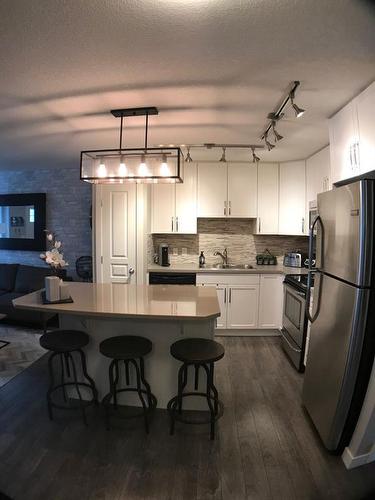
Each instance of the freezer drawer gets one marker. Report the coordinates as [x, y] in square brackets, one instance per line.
[292, 350]
[344, 242]
[334, 354]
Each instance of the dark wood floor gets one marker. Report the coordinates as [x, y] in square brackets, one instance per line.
[266, 447]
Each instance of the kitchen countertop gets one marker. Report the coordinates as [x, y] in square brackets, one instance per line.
[194, 268]
[131, 301]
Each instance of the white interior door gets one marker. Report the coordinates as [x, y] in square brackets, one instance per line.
[243, 306]
[242, 189]
[116, 233]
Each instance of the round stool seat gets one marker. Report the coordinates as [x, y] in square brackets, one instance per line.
[64, 340]
[197, 350]
[125, 347]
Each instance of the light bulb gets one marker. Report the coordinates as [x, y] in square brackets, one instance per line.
[143, 170]
[122, 167]
[102, 170]
[164, 169]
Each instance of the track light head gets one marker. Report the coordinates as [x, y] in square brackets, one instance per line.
[256, 158]
[278, 136]
[223, 159]
[267, 142]
[297, 110]
[188, 158]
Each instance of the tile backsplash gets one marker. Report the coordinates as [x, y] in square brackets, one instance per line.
[237, 235]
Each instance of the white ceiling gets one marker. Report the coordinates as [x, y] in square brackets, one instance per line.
[214, 68]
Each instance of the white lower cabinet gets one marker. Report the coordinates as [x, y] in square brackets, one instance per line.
[247, 301]
[270, 301]
[242, 309]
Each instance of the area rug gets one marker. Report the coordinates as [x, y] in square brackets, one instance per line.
[21, 350]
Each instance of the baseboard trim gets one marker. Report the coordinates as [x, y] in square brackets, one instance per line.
[247, 333]
[351, 461]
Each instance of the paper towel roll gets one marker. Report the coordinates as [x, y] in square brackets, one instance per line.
[64, 291]
[52, 284]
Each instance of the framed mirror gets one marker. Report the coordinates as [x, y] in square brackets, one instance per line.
[23, 221]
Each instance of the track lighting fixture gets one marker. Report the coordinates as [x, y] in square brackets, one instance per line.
[267, 142]
[277, 136]
[255, 157]
[223, 159]
[188, 158]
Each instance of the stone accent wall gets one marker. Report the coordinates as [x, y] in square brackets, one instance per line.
[237, 235]
[68, 210]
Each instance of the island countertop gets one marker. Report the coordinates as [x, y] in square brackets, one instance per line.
[169, 302]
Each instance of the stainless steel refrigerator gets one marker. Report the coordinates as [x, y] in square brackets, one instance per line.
[342, 336]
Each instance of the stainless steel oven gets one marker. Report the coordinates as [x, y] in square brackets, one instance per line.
[293, 333]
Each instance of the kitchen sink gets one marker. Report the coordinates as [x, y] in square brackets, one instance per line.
[232, 266]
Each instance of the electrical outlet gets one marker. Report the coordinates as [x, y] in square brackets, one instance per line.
[184, 251]
[175, 251]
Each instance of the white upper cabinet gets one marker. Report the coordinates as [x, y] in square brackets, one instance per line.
[174, 206]
[227, 190]
[317, 175]
[268, 198]
[352, 137]
[343, 136]
[186, 201]
[292, 207]
[242, 190]
[212, 189]
[366, 127]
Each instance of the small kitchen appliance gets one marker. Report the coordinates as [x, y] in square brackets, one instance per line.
[294, 259]
[164, 255]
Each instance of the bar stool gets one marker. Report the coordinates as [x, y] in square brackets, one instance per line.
[131, 350]
[199, 353]
[62, 344]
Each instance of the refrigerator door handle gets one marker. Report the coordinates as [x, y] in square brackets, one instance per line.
[311, 249]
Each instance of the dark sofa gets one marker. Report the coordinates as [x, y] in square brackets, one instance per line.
[17, 280]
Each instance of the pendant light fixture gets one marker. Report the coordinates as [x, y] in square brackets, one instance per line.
[256, 158]
[141, 165]
[188, 158]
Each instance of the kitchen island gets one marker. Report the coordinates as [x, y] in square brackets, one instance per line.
[162, 314]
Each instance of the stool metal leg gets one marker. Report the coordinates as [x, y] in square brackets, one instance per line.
[63, 377]
[209, 402]
[51, 384]
[87, 376]
[144, 381]
[76, 383]
[213, 388]
[127, 374]
[182, 376]
[196, 378]
[139, 390]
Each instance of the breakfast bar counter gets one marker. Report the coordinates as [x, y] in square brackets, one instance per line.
[163, 314]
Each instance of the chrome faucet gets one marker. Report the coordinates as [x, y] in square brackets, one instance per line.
[223, 255]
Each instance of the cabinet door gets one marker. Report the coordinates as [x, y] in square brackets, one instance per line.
[242, 190]
[268, 198]
[343, 135]
[222, 295]
[212, 189]
[163, 208]
[186, 201]
[292, 214]
[365, 110]
[317, 172]
[270, 301]
[242, 306]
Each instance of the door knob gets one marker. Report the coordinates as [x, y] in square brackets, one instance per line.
[131, 270]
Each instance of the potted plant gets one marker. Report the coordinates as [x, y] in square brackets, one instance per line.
[54, 256]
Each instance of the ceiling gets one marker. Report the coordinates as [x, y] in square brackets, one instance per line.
[214, 68]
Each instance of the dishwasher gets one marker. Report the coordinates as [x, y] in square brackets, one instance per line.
[160, 278]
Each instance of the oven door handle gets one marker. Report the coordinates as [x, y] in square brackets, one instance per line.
[289, 344]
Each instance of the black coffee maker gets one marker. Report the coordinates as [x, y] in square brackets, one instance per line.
[164, 255]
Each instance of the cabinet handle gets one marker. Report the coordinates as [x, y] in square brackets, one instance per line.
[356, 162]
[225, 295]
[230, 295]
[177, 224]
[225, 208]
[230, 207]
[172, 223]
[303, 224]
[259, 225]
[351, 156]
